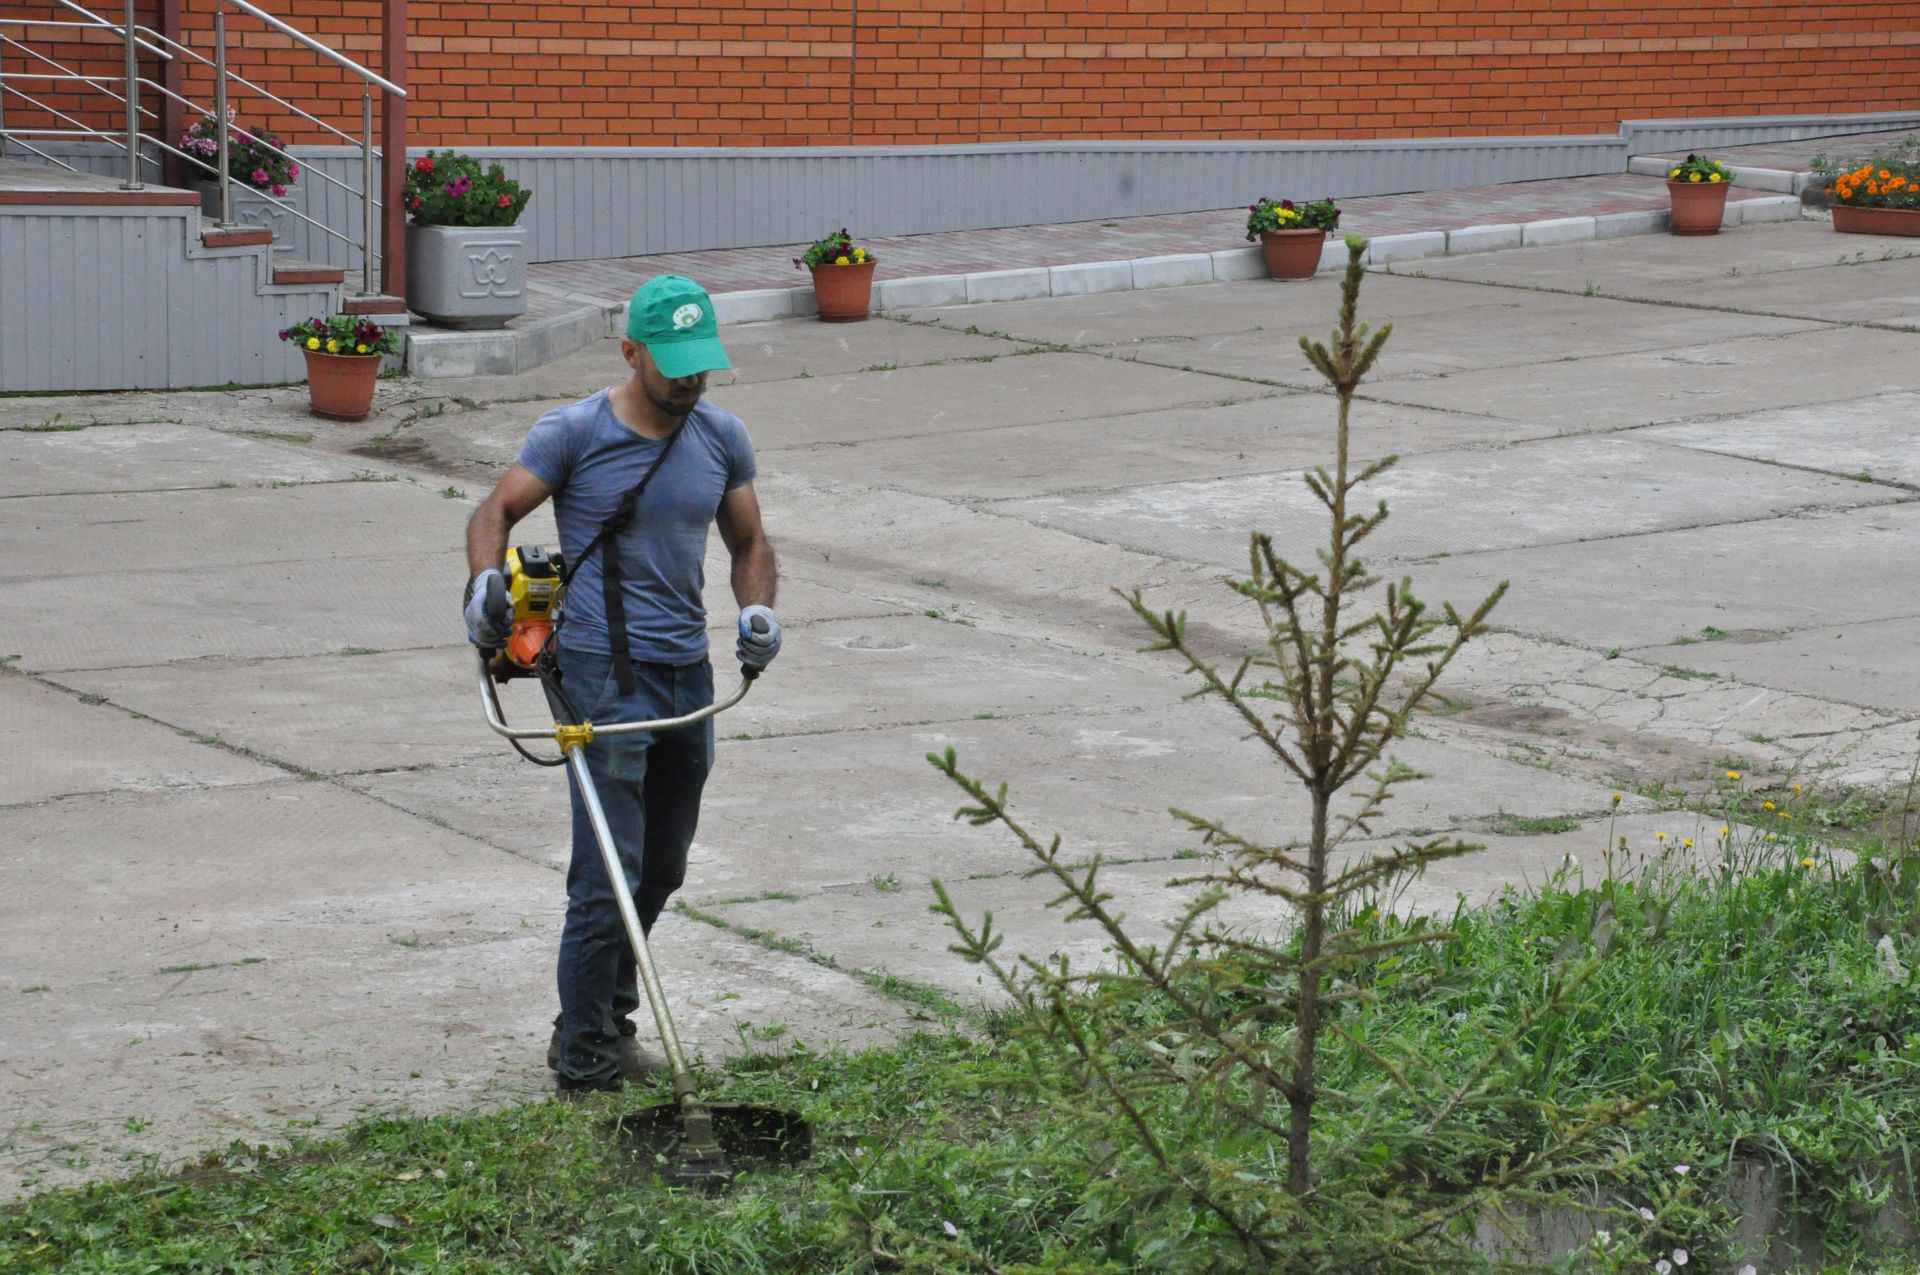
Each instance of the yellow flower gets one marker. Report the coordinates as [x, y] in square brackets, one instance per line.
[1693, 177]
[1659, 836]
[1733, 774]
[1806, 863]
[859, 254]
[359, 349]
[841, 261]
[1766, 805]
[1687, 844]
[1673, 174]
[1725, 831]
[1785, 815]
[1796, 787]
[1714, 177]
[1616, 799]
[313, 343]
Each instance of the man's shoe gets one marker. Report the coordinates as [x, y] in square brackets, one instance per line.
[567, 1090]
[636, 1064]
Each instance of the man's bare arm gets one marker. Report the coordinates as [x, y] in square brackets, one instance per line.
[517, 494]
[756, 575]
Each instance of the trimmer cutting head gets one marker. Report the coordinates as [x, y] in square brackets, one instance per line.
[703, 1147]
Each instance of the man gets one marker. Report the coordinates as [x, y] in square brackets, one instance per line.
[649, 660]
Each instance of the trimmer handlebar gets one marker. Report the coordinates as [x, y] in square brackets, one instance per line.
[490, 704]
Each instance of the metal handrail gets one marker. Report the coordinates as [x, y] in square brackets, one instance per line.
[317, 47]
[97, 20]
[240, 79]
[131, 32]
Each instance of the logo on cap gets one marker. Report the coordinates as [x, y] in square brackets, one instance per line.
[686, 316]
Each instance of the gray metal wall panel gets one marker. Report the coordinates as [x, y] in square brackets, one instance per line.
[91, 299]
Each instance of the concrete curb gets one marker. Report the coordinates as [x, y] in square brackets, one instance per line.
[1775, 179]
[516, 349]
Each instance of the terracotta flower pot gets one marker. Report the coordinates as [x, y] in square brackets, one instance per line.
[341, 385]
[1292, 254]
[1851, 219]
[1697, 207]
[845, 293]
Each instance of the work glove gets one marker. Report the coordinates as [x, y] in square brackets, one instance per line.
[489, 621]
[759, 637]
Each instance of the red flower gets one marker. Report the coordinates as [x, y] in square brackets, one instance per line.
[417, 201]
[425, 164]
[506, 201]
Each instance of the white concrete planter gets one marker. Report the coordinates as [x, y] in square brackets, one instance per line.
[467, 276]
[252, 208]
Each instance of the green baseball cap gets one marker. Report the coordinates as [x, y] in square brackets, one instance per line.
[673, 317]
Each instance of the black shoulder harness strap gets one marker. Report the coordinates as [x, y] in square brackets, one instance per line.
[610, 580]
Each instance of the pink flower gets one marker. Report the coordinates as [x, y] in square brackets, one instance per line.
[259, 176]
[280, 191]
[459, 186]
[293, 171]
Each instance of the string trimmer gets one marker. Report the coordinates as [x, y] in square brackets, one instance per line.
[533, 595]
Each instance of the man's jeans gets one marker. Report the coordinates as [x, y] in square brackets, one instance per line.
[649, 788]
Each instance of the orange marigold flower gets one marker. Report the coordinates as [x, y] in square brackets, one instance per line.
[1884, 174]
[1873, 188]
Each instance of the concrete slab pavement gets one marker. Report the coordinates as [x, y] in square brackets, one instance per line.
[207, 750]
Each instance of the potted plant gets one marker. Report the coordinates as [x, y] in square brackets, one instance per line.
[343, 362]
[1291, 235]
[1697, 186]
[466, 252]
[1877, 196]
[842, 277]
[260, 172]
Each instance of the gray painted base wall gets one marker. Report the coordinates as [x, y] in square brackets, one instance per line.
[594, 202]
[100, 298]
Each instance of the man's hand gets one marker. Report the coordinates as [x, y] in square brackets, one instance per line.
[759, 637]
[488, 619]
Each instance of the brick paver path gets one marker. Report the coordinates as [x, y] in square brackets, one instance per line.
[1797, 157]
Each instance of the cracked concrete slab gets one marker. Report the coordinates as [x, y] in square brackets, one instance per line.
[1864, 438]
[1495, 329]
[224, 530]
[1533, 493]
[99, 749]
[957, 398]
[1284, 310]
[1719, 378]
[1875, 665]
[300, 953]
[128, 458]
[1775, 573]
[1256, 437]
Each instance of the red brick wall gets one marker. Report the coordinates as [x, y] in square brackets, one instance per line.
[824, 72]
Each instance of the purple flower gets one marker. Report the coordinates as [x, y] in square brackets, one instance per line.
[459, 186]
[283, 333]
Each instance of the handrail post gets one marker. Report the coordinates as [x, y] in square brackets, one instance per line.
[133, 105]
[366, 187]
[220, 109]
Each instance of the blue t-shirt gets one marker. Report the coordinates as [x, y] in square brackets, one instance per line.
[590, 460]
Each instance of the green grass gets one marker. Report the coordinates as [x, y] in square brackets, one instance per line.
[1503, 824]
[1766, 1000]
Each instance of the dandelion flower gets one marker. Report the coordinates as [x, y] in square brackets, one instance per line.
[1768, 805]
[1687, 844]
[1796, 787]
[1733, 774]
[1786, 814]
[1616, 799]
[1659, 836]
[1806, 863]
